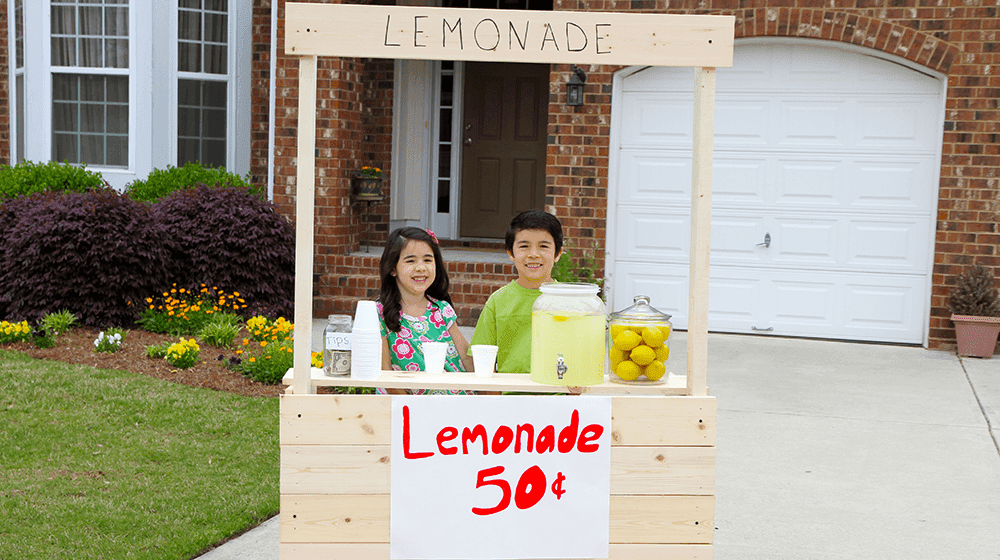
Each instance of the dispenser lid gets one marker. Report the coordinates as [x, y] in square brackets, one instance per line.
[640, 311]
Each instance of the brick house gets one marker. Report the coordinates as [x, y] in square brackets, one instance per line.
[856, 149]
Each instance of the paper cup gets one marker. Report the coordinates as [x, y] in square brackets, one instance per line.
[484, 359]
[434, 356]
[366, 316]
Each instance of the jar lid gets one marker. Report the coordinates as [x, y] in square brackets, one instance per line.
[640, 311]
[569, 288]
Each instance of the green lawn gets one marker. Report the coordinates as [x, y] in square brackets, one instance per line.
[109, 464]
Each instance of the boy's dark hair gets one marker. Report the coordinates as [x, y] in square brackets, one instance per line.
[389, 290]
[534, 219]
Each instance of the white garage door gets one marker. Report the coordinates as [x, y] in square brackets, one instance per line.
[824, 192]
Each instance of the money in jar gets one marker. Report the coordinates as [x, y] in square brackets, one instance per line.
[337, 346]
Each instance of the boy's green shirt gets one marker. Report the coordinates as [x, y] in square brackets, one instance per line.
[506, 322]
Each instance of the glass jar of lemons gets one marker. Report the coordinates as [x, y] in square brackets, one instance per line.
[638, 344]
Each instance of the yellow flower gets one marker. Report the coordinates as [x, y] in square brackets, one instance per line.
[252, 359]
[263, 343]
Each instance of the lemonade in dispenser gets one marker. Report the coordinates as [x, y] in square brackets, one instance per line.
[638, 344]
[568, 335]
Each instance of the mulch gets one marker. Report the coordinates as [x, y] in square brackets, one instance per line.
[77, 347]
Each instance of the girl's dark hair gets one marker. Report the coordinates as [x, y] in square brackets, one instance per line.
[389, 291]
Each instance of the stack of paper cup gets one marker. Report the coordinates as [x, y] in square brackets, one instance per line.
[366, 343]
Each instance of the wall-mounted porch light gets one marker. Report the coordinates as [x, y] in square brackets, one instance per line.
[574, 87]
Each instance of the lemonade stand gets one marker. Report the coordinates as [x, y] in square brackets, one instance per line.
[346, 459]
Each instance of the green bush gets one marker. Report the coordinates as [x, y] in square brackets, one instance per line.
[162, 182]
[29, 177]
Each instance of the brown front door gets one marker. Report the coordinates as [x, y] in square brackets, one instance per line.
[503, 138]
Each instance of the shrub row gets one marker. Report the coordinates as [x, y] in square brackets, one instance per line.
[27, 177]
[100, 254]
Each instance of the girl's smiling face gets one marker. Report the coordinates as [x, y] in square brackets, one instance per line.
[416, 269]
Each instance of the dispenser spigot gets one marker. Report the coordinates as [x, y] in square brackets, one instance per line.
[561, 368]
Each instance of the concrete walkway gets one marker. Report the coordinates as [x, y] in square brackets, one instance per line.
[832, 450]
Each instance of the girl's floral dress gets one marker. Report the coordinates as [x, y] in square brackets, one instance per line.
[432, 326]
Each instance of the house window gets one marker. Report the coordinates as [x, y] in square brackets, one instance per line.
[203, 81]
[128, 86]
[90, 119]
[90, 109]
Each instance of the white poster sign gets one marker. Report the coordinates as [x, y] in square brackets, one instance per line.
[500, 477]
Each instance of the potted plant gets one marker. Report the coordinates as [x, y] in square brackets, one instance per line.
[975, 306]
[367, 184]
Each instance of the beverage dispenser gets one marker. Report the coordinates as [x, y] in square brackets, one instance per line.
[568, 335]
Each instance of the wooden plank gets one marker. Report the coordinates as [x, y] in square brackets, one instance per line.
[335, 469]
[341, 518]
[366, 420]
[663, 421]
[662, 519]
[359, 469]
[663, 470]
[562, 37]
[335, 419]
[304, 203]
[518, 382]
[353, 551]
[365, 519]
[701, 228]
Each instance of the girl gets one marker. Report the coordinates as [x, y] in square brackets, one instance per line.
[414, 305]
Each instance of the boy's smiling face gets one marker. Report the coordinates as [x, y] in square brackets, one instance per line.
[534, 255]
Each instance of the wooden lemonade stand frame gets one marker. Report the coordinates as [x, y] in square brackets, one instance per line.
[335, 449]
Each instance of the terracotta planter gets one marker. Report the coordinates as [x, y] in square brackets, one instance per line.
[366, 188]
[977, 336]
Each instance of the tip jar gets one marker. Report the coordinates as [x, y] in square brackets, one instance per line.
[337, 346]
[639, 344]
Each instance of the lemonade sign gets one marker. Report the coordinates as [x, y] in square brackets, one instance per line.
[500, 477]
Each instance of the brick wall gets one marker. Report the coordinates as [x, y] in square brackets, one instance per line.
[956, 38]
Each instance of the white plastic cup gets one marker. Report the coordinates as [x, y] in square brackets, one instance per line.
[434, 356]
[484, 359]
[366, 316]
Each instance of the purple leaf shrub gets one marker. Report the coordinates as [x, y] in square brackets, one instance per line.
[96, 253]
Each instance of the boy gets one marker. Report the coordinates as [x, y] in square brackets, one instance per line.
[534, 242]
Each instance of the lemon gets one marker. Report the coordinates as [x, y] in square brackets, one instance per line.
[662, 353]
[642, 355]
[627, 340]
[653, 336]
[617, 330]
[654, 370]
[617, 356]
[627, 370]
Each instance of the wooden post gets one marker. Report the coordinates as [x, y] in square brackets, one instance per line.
[304, 203]
[701, 227]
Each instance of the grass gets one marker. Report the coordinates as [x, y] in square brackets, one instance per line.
[109, 464]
